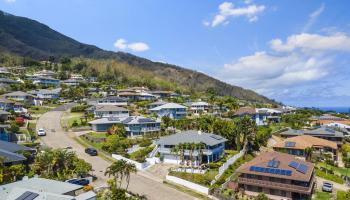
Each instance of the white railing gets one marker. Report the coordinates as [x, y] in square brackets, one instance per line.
[226, 165]
[188, 184]
[154, 152]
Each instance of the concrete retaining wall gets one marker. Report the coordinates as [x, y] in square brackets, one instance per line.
[139, 166]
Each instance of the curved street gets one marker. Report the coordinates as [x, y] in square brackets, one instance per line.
[140, 183]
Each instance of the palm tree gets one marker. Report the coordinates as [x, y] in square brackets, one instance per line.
[245, 132]
[128, 169]
[115, 170]
[308, 152]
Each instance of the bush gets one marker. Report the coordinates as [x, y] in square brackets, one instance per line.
[145, 143]
[330, 177]
[79, 108]
[75, 123]
[140, 155]
[214, 165]
[201, 179]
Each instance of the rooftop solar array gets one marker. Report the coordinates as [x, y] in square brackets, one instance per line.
[284, 172]
[273, 163]
[298, 166]
[145, 120]
[28, 196]
[127, 120]
[217, 137]
[290, 144]
[113, 119]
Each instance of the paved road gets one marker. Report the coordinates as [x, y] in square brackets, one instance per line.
[57, 138]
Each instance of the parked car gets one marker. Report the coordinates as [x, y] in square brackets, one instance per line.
[76, 181]
[91, 151]
[327, 187]
[41, 132]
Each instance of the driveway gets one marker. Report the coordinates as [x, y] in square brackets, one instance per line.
[142, 183]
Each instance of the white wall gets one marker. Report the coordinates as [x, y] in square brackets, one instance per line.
[171, 159]
[139, 166]
[188, 184]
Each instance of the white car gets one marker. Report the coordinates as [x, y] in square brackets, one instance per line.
[41, 132]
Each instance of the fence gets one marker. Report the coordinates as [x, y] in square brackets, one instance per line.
[188, 184]
[229, 162]
[139, 166]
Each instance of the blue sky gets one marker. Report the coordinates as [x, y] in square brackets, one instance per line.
[294, 51]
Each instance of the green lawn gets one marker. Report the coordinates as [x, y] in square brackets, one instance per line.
[330, 177]
[340, 170]
[74, 117]
[38, 109]
[341, 195]
[202, 179]
[97, 134]
[322, 196]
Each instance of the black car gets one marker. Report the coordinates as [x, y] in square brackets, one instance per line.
[82, 182]
[91, 151]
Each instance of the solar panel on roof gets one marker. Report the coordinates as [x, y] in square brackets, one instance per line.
[27, 196]
[217, 137]
[145, 120]
[127, 120]
[302, 168]
[289, 144]
[271, 170]
[293, 164]
[113, 118]
[273, 163]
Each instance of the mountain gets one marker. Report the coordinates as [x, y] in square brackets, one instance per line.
[26, 37]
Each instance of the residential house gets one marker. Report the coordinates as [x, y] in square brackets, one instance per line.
[261, 116]
[161, 94]
[45, 94]
[9, 151]
[41, 188]
[6, 82]
[77, 77]
[172, 110]
[134, 125]
[327, 118]
[137, 96]
[8, 105]
[214, 146]
[140, 126]
[4, 115]
[298, 146]
[72, 82]
[338, 125]
[107, 111]
[4, 134]
[39, 80]
[278, 175]
[321, 132]
[156, 104]
[198, 107]
[20, 96]
[45, 73]
[113, 100]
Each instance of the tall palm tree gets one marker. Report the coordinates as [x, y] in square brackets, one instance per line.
[115, 170]
[128, 169]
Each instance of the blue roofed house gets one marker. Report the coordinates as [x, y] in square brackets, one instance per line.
[214, 146]
[172, 110]
[4, 134]
[39, 80]
[45, 94]
[134, 125]
[20, 97]
[9, 105]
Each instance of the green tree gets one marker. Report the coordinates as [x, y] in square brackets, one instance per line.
[245, 131]
[261, 196]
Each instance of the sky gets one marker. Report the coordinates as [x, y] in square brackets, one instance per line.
[294, 51]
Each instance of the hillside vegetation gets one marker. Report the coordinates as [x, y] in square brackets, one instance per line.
[29, 38]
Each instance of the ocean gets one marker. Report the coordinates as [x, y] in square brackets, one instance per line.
[336, 109]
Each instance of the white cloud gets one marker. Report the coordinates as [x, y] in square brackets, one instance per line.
[293, 68]
[136, 46]
[314, 42]
[313, 17]
[10, 1]
[227, 9]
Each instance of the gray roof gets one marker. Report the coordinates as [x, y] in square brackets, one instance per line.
[124, 120]
[322, 131]
[114, 98]
[45, 91]
[10, 157]
[191, 136]
[158, 103]
[8, 151]
[168, 106]
[13, 147]
[43, 185]
[109, 108]
[17, 93]
[113, 120]
[2, 112]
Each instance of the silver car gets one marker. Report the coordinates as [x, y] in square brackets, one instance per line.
[327, 187]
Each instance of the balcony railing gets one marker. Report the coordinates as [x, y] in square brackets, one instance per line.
[187, 152]
[280, 186]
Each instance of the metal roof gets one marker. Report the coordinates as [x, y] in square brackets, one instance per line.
[191, 136]
[13, 147]
[168, 106]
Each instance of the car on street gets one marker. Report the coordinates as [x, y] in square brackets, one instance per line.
[41, 132]
[327, 187]
[76, 181]
[91, 151]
